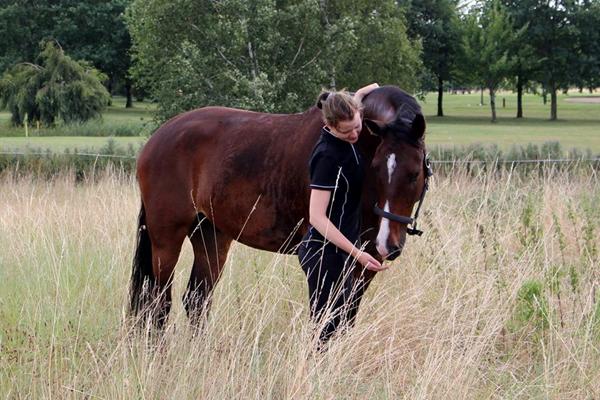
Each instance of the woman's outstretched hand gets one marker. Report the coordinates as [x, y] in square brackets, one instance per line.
[370, 263]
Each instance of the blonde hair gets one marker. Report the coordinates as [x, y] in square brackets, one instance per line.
[338, 106]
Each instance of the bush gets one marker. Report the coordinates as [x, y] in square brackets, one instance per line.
[81, 162]
[532, 307]
[58, 88]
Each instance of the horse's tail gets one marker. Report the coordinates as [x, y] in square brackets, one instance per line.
[142, 279]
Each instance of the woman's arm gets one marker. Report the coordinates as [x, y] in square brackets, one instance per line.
[363, 91]
[319, 199]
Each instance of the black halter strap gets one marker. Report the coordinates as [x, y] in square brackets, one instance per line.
[411, 230]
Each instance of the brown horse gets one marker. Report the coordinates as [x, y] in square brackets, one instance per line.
[218, 174]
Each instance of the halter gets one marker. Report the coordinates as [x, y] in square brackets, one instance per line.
[408, 220]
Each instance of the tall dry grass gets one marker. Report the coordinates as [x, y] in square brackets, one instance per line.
[498, 299]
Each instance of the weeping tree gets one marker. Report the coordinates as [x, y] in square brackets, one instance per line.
[56, 87]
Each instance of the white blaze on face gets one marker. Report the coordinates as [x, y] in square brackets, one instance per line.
[384, 227]
[384, 232]
[391, 165]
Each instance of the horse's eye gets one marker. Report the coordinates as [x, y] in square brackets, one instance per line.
[412, 178]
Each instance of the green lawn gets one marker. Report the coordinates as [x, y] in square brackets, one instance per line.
[465, 123]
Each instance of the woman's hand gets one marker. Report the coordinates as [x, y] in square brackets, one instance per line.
[370, 263]
[363, 91]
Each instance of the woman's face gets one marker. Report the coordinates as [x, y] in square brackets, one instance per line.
[348, 130]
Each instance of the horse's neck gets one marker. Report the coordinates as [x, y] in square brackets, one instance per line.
[367, 143]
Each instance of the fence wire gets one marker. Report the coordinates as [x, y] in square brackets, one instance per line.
[441, 162]
[98, 155]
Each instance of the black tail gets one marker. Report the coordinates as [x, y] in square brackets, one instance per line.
[142, 280]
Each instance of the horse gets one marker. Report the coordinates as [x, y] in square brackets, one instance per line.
[219, 174]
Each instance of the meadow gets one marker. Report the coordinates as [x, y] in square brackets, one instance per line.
[498, 299]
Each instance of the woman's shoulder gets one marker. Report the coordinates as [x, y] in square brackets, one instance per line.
[323, 151]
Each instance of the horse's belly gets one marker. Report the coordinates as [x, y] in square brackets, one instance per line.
[258, 220]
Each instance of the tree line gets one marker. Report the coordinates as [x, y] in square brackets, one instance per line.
[275, 55]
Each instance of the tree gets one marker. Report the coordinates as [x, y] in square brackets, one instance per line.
[586, 19]
[553, 35]
[437, 24]
[56, 88]
[265, 55]
[488, 38]
[369, 42]
[22, 26]
[96, 31]
[88, 30]
[526, 63]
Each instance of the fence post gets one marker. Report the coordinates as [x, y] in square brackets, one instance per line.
[25, 121]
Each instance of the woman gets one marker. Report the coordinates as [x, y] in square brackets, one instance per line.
[331, 246]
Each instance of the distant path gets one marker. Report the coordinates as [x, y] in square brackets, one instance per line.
[586, 99]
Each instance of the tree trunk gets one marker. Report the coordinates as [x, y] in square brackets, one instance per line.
[109, 87]
[481, 100]
[440, 111]
[129, 102]
[553, 106]
[493, 103]
[519, 97]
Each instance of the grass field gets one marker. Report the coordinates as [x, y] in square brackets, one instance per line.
[136, 123]
[498, 299]
[466, 123]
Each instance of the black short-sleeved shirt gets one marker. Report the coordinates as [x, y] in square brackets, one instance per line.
[337, 166]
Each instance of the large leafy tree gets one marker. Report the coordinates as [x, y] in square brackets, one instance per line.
[94, 31]
[553, 35]
[437, 24]
[560, 47]
[23, 25]
[56, 87]
[526, 63]
[586, 19]
[488, 38]
[368, 41]
[265, 55]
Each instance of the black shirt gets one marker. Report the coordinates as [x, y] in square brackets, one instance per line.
[337, 166]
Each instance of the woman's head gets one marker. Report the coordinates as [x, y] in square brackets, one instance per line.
[342, 115]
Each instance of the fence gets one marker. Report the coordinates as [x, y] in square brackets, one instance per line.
[47, 164]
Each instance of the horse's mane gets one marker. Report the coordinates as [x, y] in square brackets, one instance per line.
[400, 108]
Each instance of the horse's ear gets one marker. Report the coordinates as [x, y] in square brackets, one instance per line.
[322, 97]
[374, 126]
[418, 126]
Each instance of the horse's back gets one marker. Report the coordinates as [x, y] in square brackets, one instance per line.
[232, 165]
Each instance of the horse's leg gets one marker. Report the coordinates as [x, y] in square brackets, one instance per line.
[210, 252]
[362, 280]
[166, 246]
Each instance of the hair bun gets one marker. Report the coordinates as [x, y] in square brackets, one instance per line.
[322, 97]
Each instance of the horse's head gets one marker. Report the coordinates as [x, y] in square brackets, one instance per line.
[393, 136]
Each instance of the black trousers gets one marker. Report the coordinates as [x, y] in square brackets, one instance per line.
[331, 288]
